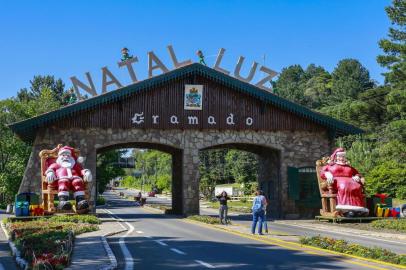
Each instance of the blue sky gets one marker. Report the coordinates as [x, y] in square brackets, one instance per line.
[69, 38]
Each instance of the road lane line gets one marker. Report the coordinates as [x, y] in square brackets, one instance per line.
[205, 264]
[178, 251]
[129, 261]
[299, 247]
[114, 216]
[139, 232]
[161, 243]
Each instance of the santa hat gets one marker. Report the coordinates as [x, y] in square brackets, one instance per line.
[71, 151]
[335, 153]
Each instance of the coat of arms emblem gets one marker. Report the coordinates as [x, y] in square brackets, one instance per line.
[193, 97]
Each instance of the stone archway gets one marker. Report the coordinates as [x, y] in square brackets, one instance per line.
[153, 112]
[177, 178]
[269, 178]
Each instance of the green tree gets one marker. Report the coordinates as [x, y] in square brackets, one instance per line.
[349, 79]
[394, 46]
[38, 83]
[290, 84]
[317, 88]
[107, 168]
[14, 153]
[212, 170]
[242, 165]
[156, 168]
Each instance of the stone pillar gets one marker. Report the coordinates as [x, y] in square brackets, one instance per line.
[269, 180]
[31, 181]
[90, 163]
[177, 177]
[190, 180]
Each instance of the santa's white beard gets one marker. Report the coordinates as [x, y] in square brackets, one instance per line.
[66, 163]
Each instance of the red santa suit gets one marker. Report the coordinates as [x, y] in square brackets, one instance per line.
[68, 177]
[349, 191]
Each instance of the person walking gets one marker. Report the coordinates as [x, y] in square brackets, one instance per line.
[223, 198]
[258, 205]
[265, 224]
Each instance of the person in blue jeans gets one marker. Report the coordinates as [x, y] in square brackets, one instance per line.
[258, 205]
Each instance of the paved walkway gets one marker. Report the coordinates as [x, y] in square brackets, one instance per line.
[6, 260]
[89, 251]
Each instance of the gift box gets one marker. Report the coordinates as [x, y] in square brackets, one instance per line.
[378, 199]
[396, 212]
[36, 210]
[22, 208]
[30, 197]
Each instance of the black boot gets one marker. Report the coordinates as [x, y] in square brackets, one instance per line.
[81, 203]
[64, 203]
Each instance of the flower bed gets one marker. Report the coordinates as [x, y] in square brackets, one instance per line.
[48, 243]
[391, 224]
[354, 249]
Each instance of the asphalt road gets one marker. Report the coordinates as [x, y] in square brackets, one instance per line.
[156, 241]
[396, 246]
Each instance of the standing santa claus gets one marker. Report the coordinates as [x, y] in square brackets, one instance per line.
[70, 176]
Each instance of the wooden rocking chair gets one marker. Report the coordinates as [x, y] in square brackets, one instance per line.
[49, 191]
[327, 192]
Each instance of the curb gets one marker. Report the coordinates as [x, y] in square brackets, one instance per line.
[14, 251]
[110, 254]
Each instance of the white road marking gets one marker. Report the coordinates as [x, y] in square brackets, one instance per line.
[178, 251]
[205, 264]
[161, 243]
[139, 232]
[129, 261]
[1, 267]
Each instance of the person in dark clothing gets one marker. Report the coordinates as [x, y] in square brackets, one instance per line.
[223, 198]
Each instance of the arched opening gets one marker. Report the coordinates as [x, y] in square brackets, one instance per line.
[155, 167]
[242, 165]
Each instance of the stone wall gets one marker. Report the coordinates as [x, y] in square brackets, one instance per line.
[277, 151]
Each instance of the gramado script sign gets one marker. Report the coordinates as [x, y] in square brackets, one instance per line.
[154, 63]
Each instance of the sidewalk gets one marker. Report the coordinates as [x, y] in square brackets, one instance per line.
[312, 224]
[6, 260]
[89, 250]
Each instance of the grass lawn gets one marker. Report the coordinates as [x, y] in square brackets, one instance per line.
[236, 206]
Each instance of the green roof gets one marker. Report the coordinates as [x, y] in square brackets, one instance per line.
[27, 129]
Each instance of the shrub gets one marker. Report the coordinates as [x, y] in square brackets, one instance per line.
[206, 219]
[100, 200]
[48, 242]
[76, 219]
[354, 249]
[392, 224]
[388, 177]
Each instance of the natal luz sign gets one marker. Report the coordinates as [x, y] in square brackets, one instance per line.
[154, 63]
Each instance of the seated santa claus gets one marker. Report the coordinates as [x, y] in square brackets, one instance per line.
[348, 184]
[70, 175]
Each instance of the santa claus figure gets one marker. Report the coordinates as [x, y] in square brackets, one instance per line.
[348, 184]
[69, 175]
